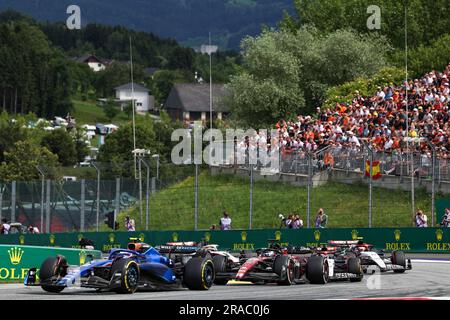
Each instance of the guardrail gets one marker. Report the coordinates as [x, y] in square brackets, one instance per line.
[430, 240]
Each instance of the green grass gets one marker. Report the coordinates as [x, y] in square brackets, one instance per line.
[80, 173]
[346, 205]
[87, 112]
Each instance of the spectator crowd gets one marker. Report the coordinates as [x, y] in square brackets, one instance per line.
[418, 108]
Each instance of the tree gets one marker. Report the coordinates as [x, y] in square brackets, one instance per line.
[10, 133]
[34, 75]
[423, 59]
[285, 73]
[20, 163]
[181, 58]
[331, 15]
[61, 143]
[116, 75]
[118, 146]
[345, 93]
[163, 81]
[81, 148]
[110, 109]
[128, 109]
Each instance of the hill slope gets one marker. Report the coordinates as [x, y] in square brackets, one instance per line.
[186, 21]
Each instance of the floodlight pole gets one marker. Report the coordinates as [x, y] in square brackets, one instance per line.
[407, 109]
[210, 85]
[133, 106]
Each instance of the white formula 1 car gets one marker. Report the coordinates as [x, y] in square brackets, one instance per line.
[396, 261]
[222, 260]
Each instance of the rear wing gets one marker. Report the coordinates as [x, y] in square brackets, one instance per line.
[175, 248]
[348, 243]
[343, 242]
[299, 250]
[188, 243]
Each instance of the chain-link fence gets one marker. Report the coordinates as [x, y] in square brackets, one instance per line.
[163, 196]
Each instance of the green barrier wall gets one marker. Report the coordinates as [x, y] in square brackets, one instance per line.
[16, 260]
[432, 240]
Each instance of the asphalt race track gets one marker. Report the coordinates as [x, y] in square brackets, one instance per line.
[428, 278]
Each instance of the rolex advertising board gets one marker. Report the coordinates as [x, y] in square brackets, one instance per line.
[16, 260]
[431, 240]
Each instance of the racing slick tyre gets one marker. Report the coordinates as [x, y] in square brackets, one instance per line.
[220, 265]
[398, 258]
[354, 266]
[53, 267]
[284, 267]
[317, 270]
[129, 275]
[199, 274]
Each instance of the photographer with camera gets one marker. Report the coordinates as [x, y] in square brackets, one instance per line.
[321, 219]
[420, 219]
[5, 227]
[129, 224]
[446, 219]
[285, 222]
[297, 223]
[225, 221]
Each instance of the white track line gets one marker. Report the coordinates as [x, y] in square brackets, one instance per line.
[429, 261]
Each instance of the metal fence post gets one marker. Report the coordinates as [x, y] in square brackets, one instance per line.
[370, 189]
[42, 202]
[196, 198]
[1, 201]
[433, 190]
[153, 183]
[42, 196]
[308, 210]
[140, 191]
[251, 197]
[412, 184]
[117, 209]
[433, 180]
[98, 195]
[82, 207]
[147, 194]
[47, 207]
[13, 201]
[369, 149]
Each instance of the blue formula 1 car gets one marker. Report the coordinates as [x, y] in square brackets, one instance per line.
[127, 270]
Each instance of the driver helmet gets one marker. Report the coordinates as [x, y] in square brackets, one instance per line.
[269, 253]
